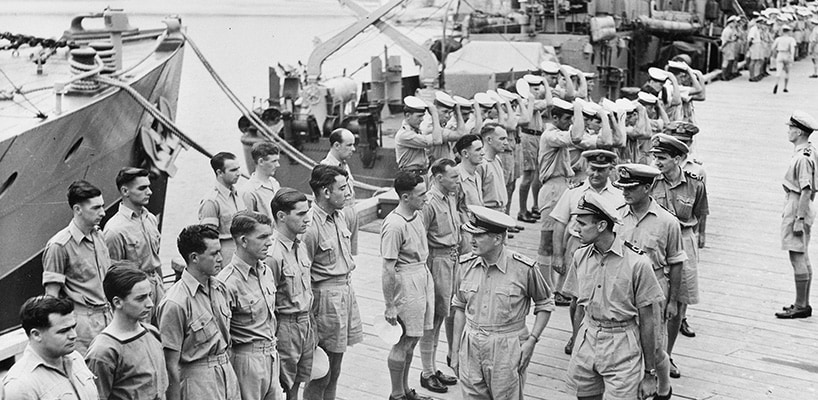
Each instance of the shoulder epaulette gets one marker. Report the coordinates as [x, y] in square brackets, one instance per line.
[697, 162]
[61, 238]
[523, 259]
[464, 258]
[622, 206]
[694, 176]
[573, 185]
[634, 248]
[664, 207]
[807, 151]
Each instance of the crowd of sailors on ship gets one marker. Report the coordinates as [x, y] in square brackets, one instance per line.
[263, 301]
[770, 41]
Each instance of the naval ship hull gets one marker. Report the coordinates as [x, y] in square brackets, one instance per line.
[93, 143]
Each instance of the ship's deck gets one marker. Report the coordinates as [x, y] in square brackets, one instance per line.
[741, 350]
[19, 72]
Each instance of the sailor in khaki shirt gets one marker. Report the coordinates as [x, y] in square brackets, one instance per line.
[132, 234]
[76, 260]
[470, 150]
[251, 297]
[342, 146]
[194, 322]
[494, 289]
[490, 171]
[50, 367]
[223, 200]
[335, 308]
[442, 221]
[262, 185]
[290, 266]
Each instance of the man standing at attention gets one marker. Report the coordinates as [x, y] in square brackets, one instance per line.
[493, 291]
[657, 232]
[613, 281]
[342, 146]
[194, 320]
[442, 221]
[800, 183]
[127, 356]
[685, 196]
[335, 309]
[495, 140]
[222, 201]
[262, 185]
[291, 273]
[49, 368]
[470, 150]
[132, 234]
[251, 295]
[76, 260]
[408, 289]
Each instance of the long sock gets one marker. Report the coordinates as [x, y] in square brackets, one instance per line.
[427, 351]
[449, 323]
[314, 390]
[407, 366]
[672, 333]
[801, 289]
[396, 365]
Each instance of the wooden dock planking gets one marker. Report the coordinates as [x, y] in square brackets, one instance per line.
[741, 350]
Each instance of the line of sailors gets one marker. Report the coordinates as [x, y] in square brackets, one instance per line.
[262, 301]
[772, 40]
[566, 147]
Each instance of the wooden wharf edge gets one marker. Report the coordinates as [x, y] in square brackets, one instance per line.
[741, 351]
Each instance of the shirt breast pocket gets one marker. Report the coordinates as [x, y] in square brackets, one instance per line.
[328, 253]
[247, 310]
[202, 329]
[82, 270]
[132, 244]
[684, 207]
[467, 292]
[295, 285]
[507, 298]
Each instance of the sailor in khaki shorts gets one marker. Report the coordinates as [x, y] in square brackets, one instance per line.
[291, 273]
[194, 322]
[408, 289]
[251, 294]
[614, 355]
[334, 309]
[442, 221]
[800, 181]
[494, 289]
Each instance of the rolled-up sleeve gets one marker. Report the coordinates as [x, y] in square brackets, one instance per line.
[209, 213]
[674, 252]
[172, 323]
[539, 291]
[55, 261]
[414, 140]
[458, 301]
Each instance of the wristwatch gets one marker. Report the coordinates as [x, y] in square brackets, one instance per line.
[651, 372]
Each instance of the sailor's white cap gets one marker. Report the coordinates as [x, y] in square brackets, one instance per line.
[733, 18]
[609, 105]
[484, 100]
[647, 98]
[523, 88]
[533, 79]
[550, 67]
[320, 364]
[571, 70]
[657, 74]
[413, 104]
[505, 94]
[590, 108]
[561, 104]
[625, 105]
[679, 65]
[390, 334]
[442, 99]
[462, 101]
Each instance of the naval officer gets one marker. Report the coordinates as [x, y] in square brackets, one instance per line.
[494, 289]
[800, 182]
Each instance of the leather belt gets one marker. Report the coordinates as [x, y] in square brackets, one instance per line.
[531, 131]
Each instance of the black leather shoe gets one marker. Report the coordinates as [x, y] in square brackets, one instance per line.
[526, 217]
[514, 230]
[795, 312]
[412, 395]
[535, 213]
[519, 228]
[447, 380]
[448, 361]
[432, 384]
[685, 329]
[674, 370]
[665, 397]
[569, 347]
